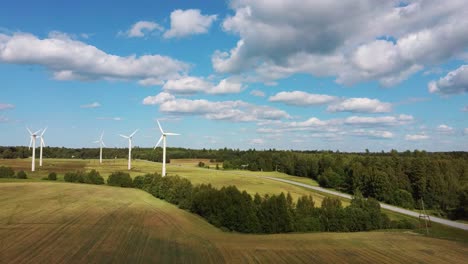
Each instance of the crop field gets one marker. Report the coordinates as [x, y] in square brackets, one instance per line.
[63, 222]
[244, 180]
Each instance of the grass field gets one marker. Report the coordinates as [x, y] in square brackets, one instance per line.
[244, 180]
[71, 223]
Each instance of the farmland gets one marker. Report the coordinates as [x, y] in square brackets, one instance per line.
[64, 222]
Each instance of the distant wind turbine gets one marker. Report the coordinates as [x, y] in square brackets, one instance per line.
[129, 148]
[32, 143]
[163, 138]
[42, 145]
[101, 144]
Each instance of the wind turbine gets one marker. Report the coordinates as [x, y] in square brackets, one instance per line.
[101, 144]
[42, 145]
[33, 143]
[163, 138]
[129, 148]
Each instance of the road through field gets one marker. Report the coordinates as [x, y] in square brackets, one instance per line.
[383, 205]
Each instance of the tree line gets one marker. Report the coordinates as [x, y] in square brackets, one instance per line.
[404, 179]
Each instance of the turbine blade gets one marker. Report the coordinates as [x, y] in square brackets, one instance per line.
[160, 128]
[37, 132]
[172, 134]
[42, 142]
[134, 132]
[29, 131]
[102, 135]
[159, 141]
[30, 143]
[123, 136]
[43, 131]
[102, 142]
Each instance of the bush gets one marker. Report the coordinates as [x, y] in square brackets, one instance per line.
[93, 177]
[52, 176]
[21, 175]
[139, 182]
[6, 172]
[121, 179]
[77, 176]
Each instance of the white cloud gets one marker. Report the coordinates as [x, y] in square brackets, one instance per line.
[4, 119]
[189, 22]
[377, 134]
[71, 59]
[142, 28]
[360, 105]
[158, 99]
[279, 38]
[444, 129]
[237, 111]
[416, 137]
[465, 131]
[378, 121]
[257, 141]
[92, 105]
[110, 118]
[465, 108]
[301, 98]
[6, 106]
[192, 85]
[455, 82]
[257, 93]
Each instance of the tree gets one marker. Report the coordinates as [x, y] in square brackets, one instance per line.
[121, 179]
[21, 175]
[52, 176]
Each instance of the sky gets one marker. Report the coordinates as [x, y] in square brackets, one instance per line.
[283, 74]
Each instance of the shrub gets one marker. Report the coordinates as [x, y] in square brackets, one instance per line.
[121, 179]
[21, 175]
[52, 176]
[93, 177]
[69, 176]
[6, 172]
[138, 182]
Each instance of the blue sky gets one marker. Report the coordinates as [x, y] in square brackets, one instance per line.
[240, 74]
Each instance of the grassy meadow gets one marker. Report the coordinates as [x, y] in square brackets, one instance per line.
[62, 222]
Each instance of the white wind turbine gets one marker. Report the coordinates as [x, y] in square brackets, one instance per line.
[163, 138]
[101, 144]
[129, 148]
[33, 143]
[42, 145]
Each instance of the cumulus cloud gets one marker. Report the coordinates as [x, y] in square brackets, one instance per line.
[6, 106]
[378, 121]
[237, 111]
[92, 105]
[299, 98]
[455, 82]
[444, 129]
[416, 137]
[257, 141]
[257, 93]
[376, 134]
[279, 38]
[465, 108]
[110, 118]
[142, 28]
[70, 59]
[192, 85]
[360, 105]
[189, 22]
[465, 131]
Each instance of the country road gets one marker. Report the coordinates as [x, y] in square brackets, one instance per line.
[383, 205]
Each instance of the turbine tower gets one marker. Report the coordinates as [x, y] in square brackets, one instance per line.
[163, 138]
[101, 144]
[42, 145]
[32, 143]
[129, 148]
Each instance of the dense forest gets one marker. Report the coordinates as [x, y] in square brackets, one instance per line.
[405, 179]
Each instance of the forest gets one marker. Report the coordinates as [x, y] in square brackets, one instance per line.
[406, 179]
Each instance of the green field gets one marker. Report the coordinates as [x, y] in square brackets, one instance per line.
[244, 180]
[71, 223]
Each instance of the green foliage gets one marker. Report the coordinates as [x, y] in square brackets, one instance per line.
[403, 198]
[121, 179]
[21, 175]
[52, 176]
[6, 172]
[93, 177]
